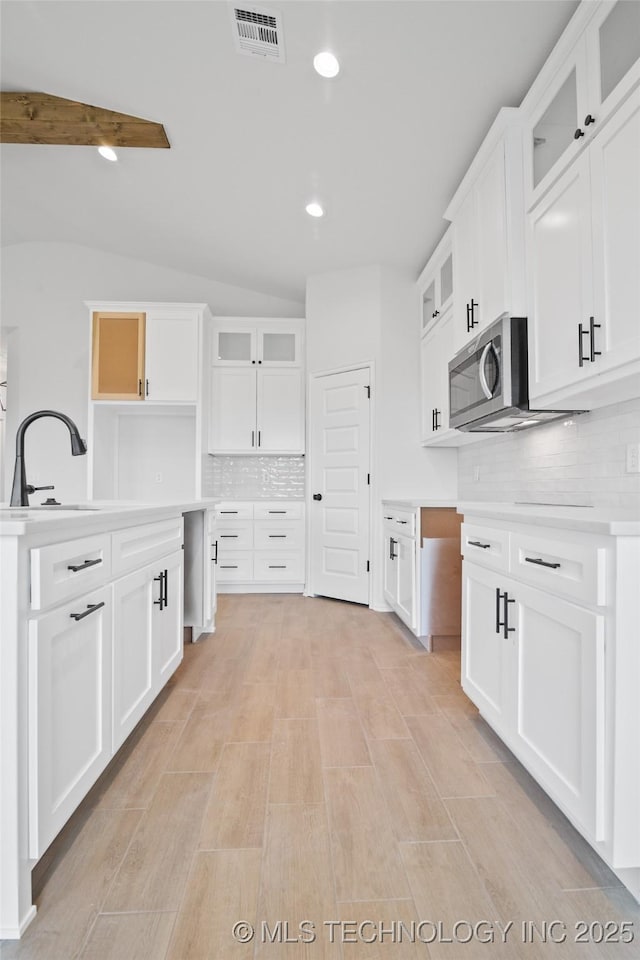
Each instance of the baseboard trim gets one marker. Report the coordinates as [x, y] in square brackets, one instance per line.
[14, 933]
[260, 588]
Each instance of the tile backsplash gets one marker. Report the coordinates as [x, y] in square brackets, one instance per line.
[253, 478]
[583, 462]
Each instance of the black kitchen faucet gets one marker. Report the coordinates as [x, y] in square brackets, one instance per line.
[21, 489]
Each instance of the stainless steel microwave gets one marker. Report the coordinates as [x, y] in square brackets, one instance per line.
[489, 382]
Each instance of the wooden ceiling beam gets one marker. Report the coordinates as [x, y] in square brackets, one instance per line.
[43, 118]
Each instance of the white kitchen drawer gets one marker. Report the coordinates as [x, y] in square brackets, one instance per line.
[61, 571]
[234, 535]
[278, 510]
[571, 566]
[400, 521]
[235, 567]
[274, 566]
[487, 546]
[232, 510]
[288, 535]
[136, 546]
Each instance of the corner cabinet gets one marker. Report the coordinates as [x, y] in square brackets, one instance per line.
[546, 654]
[257, 387]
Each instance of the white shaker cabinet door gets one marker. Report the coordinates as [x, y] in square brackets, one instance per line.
[168, 620]
[406, 602]
[69, 710]
[560, 717]
[233, 410]
[560, 283]
[171, 368]
[487, 657]
[133, 690]
[280, 411]
[615, 189]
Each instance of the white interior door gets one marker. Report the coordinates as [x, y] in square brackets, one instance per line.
[339, 424]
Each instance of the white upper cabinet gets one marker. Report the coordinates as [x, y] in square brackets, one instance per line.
[488, 238]
[584, 273]
[436, 283]
[172, 357]
[599, 57]
[257, 387]
[247, 342]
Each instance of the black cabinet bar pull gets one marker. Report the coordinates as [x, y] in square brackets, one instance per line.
[402, 521]
[253, 438]
[160, 602]
[228, 566]
[215, 546]
[476, 543]
[91, 608]
[276, 511]
[146, 383]
[228, 536]
[277, 566]
[593, 326]
[498, 598]
[259, 431]
[468, 327]
[228, 511]
[166, 588]
[392, 554]
[581, 333]
[542, 563]
[436, 414]
[507, 628]
[277, 536]
[139, 388]
[472, 307]
[84, 565]
[388, 518]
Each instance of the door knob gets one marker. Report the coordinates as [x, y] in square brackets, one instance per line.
[317, 496]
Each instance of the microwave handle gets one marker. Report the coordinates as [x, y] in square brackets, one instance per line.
[482, 374]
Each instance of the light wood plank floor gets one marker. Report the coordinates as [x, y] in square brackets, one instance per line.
[309, 763]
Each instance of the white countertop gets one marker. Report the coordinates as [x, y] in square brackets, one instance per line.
[607, 520]
[17, 521]
[420, 502]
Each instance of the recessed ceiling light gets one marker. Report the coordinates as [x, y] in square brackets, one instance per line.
[326, 64]
[314, 210]
[108, 153]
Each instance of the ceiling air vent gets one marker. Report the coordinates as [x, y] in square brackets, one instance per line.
[258, 32]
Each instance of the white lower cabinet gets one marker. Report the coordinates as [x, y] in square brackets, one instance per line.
[547, 657]
[260, 546]
[147, 645]
[406, 581]
[69, 710]
[132, 650]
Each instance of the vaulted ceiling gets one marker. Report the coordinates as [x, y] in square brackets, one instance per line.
[383, 145]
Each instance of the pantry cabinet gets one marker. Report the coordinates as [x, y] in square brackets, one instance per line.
[257, 388]
[584, 282]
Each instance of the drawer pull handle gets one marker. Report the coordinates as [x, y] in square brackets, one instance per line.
[91, 608]
[277, 536]
[228, 511]
[276, 511]
[542, 563]
[476, 543]
[277, 566]
[228, 566]
[403, 521]
[388, 518]
[84, 565]
[228, 536]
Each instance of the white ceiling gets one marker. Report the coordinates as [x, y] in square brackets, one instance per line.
[383, 145]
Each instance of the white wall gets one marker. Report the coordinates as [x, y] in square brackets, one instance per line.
[372, 314]
[44, 286]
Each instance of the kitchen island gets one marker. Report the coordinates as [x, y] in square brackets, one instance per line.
[91, 620]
